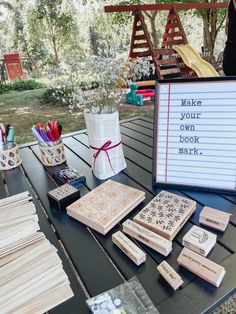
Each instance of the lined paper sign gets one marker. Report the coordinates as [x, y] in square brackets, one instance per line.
[195, 135]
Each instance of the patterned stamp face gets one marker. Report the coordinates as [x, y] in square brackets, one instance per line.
[62, 191]
[166, 211]
[106, 202]
[199, 236]
[199, 240]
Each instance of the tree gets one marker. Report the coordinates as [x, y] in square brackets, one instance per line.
[53, 23]
[213, 20]
[105, 39]
[20, 38]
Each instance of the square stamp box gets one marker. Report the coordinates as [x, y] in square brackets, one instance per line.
[62, 196]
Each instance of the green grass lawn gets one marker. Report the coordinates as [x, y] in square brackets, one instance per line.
[24, 109]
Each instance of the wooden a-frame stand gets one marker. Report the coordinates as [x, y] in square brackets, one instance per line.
[166, 61]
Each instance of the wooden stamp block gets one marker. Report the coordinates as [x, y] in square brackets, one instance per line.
[166, 214]
[214, 218]
[103, 207]
[129, 248]
[201, 266]
[199, 240]
[170, 275]
[146, 236]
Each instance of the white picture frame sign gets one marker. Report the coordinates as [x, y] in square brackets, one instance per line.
[195, 134]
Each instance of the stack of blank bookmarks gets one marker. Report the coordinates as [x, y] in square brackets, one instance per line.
[32, 279]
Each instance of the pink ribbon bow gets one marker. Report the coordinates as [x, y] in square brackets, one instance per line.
[105, 147]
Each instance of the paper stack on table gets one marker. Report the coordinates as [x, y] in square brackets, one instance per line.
[32, 278]
[166, 214]
[18, 223]
[102, 208]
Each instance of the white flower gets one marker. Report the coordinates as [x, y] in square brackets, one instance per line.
[94, 83]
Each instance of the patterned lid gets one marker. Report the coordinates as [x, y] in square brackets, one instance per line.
[62, 191]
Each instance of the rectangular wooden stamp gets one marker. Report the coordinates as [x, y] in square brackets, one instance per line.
[170, 275]
[201, 266]
[103, 207]
[129, 248]
[214, 218]
[166, 214]
[146, 236]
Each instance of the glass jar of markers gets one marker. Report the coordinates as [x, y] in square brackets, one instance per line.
[9, 150]
[52, 155]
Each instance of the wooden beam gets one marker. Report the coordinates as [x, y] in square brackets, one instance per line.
[163, 6]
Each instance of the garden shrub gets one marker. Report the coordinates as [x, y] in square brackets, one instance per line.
[58, 95]
[25, 85]
[20, 86]
[4, 88]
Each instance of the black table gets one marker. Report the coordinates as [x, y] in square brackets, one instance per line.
[92, 263]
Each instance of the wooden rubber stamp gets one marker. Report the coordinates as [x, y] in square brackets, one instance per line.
[63, 196]
[214, 218]
[146, 236]
[166, 214]
[129, 248]
[201, 266]
[170, 275]
[199, 240]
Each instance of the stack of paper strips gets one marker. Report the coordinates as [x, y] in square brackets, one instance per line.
[199, 240]
[32, 278]
[170, 275]
[18, 223]
[214, 218]
[15, 200]
[103, 207]
[201, 266]
[146, 236]
[166, 214]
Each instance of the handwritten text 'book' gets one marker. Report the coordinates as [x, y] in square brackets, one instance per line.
[102, 208]
[195, 138]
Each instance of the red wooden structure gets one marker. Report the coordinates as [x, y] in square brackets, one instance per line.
[166, 61]
[13, 66]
